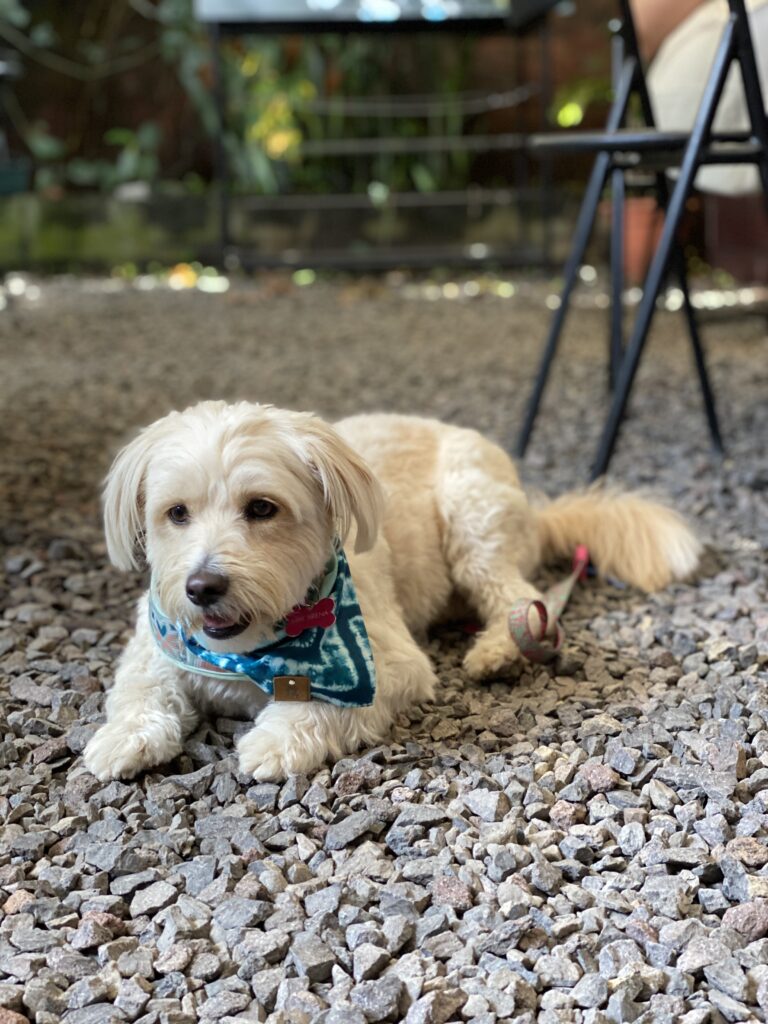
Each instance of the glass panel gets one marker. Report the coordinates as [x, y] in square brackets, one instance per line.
[349, 10]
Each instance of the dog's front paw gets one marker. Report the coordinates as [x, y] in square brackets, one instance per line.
[121, 750]
[492, 653]
[271, 756]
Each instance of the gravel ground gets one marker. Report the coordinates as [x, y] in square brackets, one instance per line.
[584, 843]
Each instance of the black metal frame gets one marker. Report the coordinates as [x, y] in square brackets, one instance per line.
[535, 12]
[619, 151]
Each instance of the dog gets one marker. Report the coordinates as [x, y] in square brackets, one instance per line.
[240, 509]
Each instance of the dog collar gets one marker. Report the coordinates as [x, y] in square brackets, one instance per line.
[321, 651]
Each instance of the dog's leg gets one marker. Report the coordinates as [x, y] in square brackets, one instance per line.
[491, 543]
[148, 713]
[290, 739]
[293, 738]
[493, 649]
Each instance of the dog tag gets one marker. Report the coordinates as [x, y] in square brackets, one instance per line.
[289, 688]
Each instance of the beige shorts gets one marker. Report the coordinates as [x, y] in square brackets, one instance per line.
[679, 72]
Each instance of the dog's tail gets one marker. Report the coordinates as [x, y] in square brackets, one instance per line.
[629, 537]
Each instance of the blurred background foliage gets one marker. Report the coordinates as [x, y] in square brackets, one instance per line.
[112, 126]
[118, 91]
[86, 63]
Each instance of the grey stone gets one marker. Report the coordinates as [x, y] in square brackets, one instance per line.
[265, 984]
[155, 897]
[324, 901]
[264, 947]
[632, 838]
[544, 875]
[350, 829]
[345, 1014]
[702, 952]
[730, 1008]
[133, 994]
[236, 912]
[662, 796]
[614, 957]
[42, 995]
[87, 991]
[224, 1004]
[369, 961]
[197, 873]
[622, 1007]
[488, 804]
[557, 971]
[669, 895]
[11, 996]
[398, 930]
[312, 957]
[739, 885]
[188, 918]
[727, 976]
[99, 1013]
[436, 1007]
[90, 934]
[590, 991]
[420, 814]
[379, 999]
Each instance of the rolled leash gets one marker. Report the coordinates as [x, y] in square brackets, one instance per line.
[535, 625]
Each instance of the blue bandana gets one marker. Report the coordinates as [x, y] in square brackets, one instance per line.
[322, 645]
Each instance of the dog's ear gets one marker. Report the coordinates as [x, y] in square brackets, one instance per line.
[351, 491]
[124, 499]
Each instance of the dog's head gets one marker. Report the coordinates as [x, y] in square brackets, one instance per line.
[235, 508]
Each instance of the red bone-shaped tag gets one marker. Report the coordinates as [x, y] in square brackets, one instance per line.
[310, 617]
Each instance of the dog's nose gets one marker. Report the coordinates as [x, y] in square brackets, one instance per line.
[205, 587]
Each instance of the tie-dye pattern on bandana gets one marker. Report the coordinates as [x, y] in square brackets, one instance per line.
[335, 655]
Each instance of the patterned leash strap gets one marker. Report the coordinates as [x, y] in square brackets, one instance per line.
[535, 625]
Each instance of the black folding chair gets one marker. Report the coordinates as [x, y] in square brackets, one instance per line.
[620, 150]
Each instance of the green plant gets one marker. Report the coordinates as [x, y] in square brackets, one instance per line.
[572, 101]
[282, 94]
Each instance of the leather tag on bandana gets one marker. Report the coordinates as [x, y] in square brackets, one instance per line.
[291, 688]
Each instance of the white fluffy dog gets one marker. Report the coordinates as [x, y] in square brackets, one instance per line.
[236, 509]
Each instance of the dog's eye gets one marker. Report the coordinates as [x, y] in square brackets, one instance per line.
[179, 514]
[259, 508]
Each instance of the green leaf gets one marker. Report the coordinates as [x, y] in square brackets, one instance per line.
[120, 137]
[42, 144]
[85, 172]
[43, 35]
[423, 178]
[147, 167]
[127, 165]
[148, 135]
[46, 177]
[262, 170]
[15, 12]
[93, 51]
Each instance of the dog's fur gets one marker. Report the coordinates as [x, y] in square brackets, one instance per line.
[429, 513]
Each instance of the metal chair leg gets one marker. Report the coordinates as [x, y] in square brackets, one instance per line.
[636, 343]
[707, 395]
[584, 224]
[616, 344]
[744, 51]
[583, 231]
[631, 360]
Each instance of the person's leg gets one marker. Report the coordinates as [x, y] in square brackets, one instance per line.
[656, 19]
